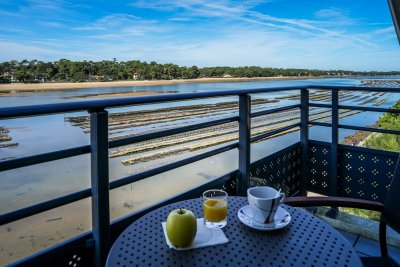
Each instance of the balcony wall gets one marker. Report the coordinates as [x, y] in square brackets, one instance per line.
[362, 173]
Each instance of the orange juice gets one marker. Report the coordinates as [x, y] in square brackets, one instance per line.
[215, 210]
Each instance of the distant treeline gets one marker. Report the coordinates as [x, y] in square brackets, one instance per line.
[65, 70]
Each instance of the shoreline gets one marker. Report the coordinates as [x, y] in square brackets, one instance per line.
[81, 85]
[359, 136]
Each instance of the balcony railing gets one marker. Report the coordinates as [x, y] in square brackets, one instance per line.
[322, 167]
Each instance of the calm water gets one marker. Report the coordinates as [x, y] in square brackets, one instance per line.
[26, 186]
[22, 187]
[63, 96]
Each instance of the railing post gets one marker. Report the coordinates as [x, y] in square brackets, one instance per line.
[334, 144]
[100, 185]
[333, 172]
[244, 144]
[304, 117]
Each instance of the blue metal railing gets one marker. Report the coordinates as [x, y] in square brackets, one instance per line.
[99, 145]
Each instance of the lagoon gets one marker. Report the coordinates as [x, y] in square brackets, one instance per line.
[50, 133]
[26, 186]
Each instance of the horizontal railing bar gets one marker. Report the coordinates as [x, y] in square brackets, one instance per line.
[272, 132]
[356, 108]
[359, 128]
[316, 123]
[274, 110]
[42, 158]
[171, 166]
[44, 206]
[14, 112]
[93, 105]
[51, 156]
[356, 88]
[388, 110]
[145, 137]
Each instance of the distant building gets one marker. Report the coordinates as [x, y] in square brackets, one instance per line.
[135, 76]
[226, 75]
[8, 75]
[96, 78]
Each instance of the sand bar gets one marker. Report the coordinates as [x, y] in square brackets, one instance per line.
[65, 86]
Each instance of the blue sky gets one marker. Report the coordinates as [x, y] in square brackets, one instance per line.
[353, 35]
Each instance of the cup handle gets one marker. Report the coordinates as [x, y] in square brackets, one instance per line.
[283, 196]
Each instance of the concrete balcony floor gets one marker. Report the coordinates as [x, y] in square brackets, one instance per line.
[366, 247]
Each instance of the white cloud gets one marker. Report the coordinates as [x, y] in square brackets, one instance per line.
[336, 15]
[184, 19]
[9, 14]
[236, 47]
[247, 47]
[16, 30]
[19, 51]
[49, 7]
[216, 32]
[51, 24]
[109, 21]
[243, 11]
[384, 31]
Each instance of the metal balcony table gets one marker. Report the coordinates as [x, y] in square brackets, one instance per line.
[306, 241]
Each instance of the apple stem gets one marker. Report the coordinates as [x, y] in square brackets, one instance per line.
[180, 211]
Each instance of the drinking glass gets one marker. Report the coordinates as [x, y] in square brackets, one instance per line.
[215, 208]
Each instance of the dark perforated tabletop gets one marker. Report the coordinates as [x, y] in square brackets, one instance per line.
[306, 241]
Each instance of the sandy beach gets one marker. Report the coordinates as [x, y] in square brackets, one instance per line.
[66, 86]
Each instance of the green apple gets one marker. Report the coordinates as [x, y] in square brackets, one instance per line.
[181, 227]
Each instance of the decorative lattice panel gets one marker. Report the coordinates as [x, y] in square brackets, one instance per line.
[365, 173]
[230, 185]
[75, 256]
[319, 165]
[280, 170]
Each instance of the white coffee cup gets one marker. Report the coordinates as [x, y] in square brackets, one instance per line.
[264, 201]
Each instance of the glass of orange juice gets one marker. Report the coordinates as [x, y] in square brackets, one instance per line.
[215, 208]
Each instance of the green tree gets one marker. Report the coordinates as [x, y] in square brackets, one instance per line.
[389, 142]
[109, 70]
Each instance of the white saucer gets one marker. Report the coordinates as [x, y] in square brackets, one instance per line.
[281, 219]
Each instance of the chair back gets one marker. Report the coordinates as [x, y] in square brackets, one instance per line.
[392, 202]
